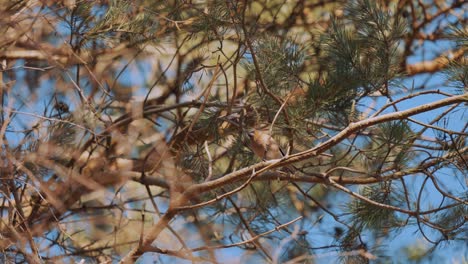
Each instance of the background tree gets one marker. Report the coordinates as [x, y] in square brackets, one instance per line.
[126, 131]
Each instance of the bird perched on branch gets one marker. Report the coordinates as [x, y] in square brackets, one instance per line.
[261, 142]
[264, 145]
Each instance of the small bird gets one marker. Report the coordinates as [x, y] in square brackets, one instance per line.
[264, 145]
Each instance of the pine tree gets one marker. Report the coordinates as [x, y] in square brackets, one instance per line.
[271, 131]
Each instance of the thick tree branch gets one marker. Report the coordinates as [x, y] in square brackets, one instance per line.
[258, 168]
[435, 65]
[304, 155]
